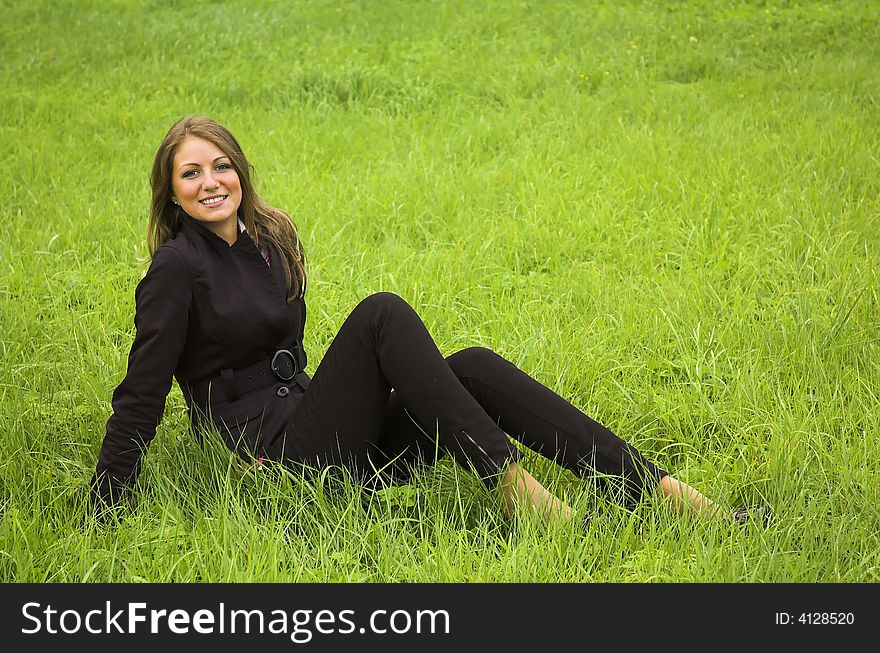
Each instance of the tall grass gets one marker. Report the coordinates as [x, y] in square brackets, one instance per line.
[666, 212]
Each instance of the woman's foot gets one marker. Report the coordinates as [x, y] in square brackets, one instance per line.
[687, 499]
[522, 491]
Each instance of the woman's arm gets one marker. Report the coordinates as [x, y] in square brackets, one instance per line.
[162, 300]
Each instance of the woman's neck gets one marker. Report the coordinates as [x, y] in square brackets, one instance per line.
[227, 230]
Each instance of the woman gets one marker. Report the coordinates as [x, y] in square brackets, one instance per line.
[222, 309]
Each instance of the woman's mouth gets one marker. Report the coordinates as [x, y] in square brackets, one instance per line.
[213, 201]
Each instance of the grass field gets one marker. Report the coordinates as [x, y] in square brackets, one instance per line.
[666, 212]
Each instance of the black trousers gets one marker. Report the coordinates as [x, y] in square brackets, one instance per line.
[384, 398]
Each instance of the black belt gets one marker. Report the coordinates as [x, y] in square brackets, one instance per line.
[282, 366]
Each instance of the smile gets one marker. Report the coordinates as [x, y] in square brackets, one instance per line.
[213, 200]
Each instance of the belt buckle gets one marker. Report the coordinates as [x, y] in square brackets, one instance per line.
[287, 369]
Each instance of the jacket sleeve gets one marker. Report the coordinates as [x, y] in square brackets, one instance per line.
[162, 300]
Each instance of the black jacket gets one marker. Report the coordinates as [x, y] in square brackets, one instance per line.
[203, 307]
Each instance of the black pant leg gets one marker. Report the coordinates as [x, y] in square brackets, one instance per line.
[382, 345]
[539, 418]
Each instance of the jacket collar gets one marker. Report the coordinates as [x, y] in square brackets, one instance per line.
[192, 225]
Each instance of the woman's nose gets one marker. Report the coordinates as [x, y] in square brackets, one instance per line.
[208, 181]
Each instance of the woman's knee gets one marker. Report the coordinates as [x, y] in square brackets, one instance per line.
[376, 311]
[382, 302]
[473, 362]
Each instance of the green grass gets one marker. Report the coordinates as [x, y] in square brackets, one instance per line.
[666, 212]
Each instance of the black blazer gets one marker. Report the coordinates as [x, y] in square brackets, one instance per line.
[202, 307]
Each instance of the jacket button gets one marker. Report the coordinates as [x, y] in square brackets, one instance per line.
[283, 391]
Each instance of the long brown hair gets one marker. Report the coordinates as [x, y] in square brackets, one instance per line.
[263, 222]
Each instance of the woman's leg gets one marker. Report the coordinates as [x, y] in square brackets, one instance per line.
[548, 424]
[345, 415]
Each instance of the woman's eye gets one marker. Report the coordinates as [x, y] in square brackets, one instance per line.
[224, 166]
[189, 173]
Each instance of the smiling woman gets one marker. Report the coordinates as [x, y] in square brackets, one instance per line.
[222, 309]
[206, 186]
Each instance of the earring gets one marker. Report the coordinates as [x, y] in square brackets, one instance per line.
[175, 201]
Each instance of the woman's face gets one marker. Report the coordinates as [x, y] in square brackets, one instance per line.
[204, 183]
